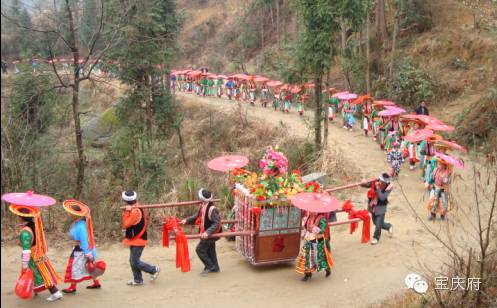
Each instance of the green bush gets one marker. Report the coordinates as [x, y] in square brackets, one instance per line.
[411, 85]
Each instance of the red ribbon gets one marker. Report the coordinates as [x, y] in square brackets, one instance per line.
[361, 214]
[182, 255]
[256, 211]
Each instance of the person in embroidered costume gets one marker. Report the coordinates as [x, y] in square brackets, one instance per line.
[439, 192]
[315, 254]
[205, 86]
[229, 88]
[252, 88]
[209, 223]
[277, 98]
[367, 110]
[81, 231]
[135, 222]
[333, 103]
[395, 158]
[219, 87]
[264, 94]
[210, 86]
[34, 251]
[377, 204]
[288, 101]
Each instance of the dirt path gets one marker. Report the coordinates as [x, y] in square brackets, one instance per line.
[363, 274]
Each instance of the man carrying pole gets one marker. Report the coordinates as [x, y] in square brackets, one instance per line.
[135, 223]
[209, 223]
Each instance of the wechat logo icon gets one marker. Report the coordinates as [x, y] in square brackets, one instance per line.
[417, 283]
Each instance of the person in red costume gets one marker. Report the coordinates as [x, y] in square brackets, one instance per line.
[135, 222]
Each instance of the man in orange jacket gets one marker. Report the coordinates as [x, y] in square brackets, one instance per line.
[135, 222]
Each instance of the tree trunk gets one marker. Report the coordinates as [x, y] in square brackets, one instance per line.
[278, 22]
[262, 28]
[326, 111]
[318, 113]
[343, 33]
[181, 144]
[75, 105]
[368, 56]
[381, 23]
[148, 108]
[394, 39]
[272, 15]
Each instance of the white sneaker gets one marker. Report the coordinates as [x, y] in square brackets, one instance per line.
[56, 296]
[390, 231]
[156, 274]
[132, 282]
[374, 241]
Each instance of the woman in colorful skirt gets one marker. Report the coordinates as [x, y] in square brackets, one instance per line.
[439, 201]
[81, 231]
[395, 158]
[315, 254]
[210, 86]
[219, 87]
[34, 251]
[252, 88]
[288, 101]
[264, 94]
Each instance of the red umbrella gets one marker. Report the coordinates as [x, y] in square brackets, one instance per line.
[440, 127]
[454, 161]
[295, 89]
[419, 135]
[28, 199]
[274, 83]
[429, 119]
[316, 202]
[452, 145]
[384, 103]
[261, 79]
[228, 162]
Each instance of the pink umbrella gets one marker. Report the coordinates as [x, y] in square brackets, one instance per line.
[429, 119]
[346, 96]
[452, 145]
[390, 112]
[419, 135]
[395, 108]
[28, 199]
[261, 79]
[222, 76]
[241, 76]
[441, 127]
[228, 162]
[308, 85]
[454, 161]
[274, 83]
[316, 202]
[212, 76]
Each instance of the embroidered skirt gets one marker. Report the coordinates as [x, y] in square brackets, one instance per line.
[76, 270]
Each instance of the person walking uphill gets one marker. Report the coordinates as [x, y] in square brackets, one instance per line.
[377, 204]
[135, 222]
[209, 222]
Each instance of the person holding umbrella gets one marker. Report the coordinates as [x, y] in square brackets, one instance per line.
[32, 240]
[315, 254]
[441, 182]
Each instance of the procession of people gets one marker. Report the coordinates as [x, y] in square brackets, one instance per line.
[400, 135]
